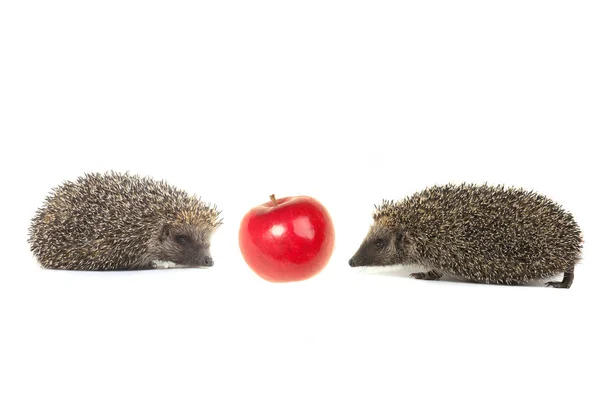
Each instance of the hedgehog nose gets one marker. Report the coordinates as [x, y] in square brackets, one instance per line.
[208, 261]
[351, 262]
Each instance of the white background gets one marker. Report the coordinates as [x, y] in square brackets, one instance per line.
[350, 102]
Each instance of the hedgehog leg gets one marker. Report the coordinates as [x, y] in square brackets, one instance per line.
[565, 283]
[431, 275]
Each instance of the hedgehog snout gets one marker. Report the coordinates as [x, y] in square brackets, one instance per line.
[358, 260]
[203, 259]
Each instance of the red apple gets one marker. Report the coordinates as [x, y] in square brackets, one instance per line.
[287, 239]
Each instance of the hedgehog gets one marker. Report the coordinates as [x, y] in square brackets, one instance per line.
[478, 233]
[120, 221]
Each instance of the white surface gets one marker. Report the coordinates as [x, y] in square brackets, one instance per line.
[350, 102]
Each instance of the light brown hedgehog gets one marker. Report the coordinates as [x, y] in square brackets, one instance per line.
[480, 233]
[116, 221]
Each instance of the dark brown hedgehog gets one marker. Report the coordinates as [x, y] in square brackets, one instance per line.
[117, 221]
[479, 233]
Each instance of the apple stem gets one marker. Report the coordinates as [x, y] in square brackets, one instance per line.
[273, 199]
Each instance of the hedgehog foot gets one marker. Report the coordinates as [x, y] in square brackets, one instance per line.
[565, 283]
[432, 275]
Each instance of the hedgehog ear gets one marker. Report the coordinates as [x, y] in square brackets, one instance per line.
[402, 240]
[166, 232]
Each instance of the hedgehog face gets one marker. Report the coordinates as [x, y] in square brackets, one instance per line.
[382, 246]
[185, 244]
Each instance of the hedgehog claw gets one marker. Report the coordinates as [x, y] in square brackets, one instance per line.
[558, 285]
[428, 276]
[565, 283]
[418, 275]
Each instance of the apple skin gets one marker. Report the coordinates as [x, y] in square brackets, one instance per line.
[288, 239]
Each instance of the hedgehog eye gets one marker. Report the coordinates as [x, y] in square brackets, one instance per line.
[379, 243]
[181, 239]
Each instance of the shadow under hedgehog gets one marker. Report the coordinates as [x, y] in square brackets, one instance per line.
[478, 233]
[118, 221]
